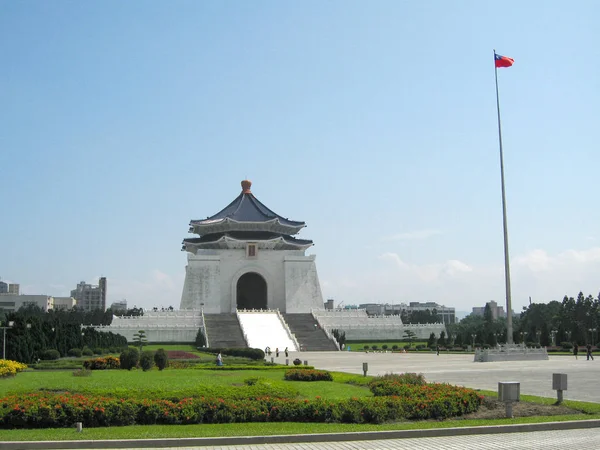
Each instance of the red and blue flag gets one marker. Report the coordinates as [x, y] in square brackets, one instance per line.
[503, 61]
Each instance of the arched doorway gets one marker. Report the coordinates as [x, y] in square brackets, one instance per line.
[251, 291]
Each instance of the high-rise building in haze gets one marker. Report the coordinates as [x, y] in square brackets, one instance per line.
[90, 297]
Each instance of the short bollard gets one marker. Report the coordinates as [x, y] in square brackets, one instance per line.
[365, 369]
[79, 426]
[306, 363]
[272, 359]
[509, 392]
[287, 362]
[559, 384]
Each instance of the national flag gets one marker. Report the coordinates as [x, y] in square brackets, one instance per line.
[503, 61]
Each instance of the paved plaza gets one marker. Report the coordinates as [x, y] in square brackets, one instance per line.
[547, 440]
[535, 376]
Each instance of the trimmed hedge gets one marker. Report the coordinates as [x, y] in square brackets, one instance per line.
[50, 355]
[252, 353]
[108, 362]
[307, 375]
[52, 410]
[147, 360]
[75, 352]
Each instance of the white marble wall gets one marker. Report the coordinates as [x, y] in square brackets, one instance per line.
[212, 276]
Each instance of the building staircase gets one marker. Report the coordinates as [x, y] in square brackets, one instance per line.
[308, 334]
[224, 331]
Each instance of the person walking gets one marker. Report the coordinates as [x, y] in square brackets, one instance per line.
[575, 349]
[437, 349]
[286, 352]
[589, 352]
[276, 352]
[219, 359]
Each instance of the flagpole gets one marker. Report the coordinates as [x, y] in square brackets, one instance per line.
[509, 327]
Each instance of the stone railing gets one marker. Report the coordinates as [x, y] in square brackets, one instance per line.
[510, 352]
[324, 327]
[291, 335]
[204, 330]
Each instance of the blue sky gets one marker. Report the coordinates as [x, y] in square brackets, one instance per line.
[374, 122]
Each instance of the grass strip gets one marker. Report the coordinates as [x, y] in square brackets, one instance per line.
[259, 429]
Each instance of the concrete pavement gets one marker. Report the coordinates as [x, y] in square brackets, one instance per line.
[459, 369]
[547, 440]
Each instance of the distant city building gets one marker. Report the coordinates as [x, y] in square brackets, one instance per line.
[14, 288]
[12, 302]
[446, 313]
[3, 287]
[90, 297]
[497, 311]
[64, 303]
[119, 307]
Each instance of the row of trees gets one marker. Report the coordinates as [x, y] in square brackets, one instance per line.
[34, 331]
[575, 320]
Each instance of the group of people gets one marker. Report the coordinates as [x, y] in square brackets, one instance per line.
[588, 351]
[268, 352]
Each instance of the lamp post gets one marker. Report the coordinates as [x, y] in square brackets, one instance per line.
[10, 325]
[553, 333]
[522, 337]
[592, 331]
[539, 334]
[473, 337]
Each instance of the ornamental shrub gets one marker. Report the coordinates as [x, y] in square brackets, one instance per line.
[384, 347]
[98, 351]
[394, 347]
[108, 362]
[161, 359]
[307, 375]
[87, 351]
[10, 368]
[366, 347]
[60, 410]
[50, 355]
[147, 360]
[76, 352]
[374, 347]
[390, 384]
[129, 358]
[252, 353]
[297, 362]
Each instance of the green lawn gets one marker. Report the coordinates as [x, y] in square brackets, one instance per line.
[176, 383]
[254, 429]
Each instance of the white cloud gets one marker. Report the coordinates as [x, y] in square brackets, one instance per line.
[413, 235]
[539, 274]
[428, 272]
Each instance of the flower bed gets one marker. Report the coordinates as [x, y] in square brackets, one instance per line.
[10, 368]
[108, 362]
[307, 375]
[46, 410]
[180, 354]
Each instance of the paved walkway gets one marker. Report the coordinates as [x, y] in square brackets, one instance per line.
[547, 440]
